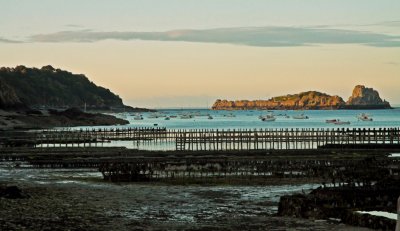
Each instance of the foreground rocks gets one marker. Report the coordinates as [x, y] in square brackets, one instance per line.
[341, 203]
[12, 192]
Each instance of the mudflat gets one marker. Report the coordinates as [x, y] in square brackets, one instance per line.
[81, 205]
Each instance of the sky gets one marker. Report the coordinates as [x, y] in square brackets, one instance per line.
[188, 53]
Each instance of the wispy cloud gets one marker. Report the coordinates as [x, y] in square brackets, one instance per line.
[73, 26]
[3, 40]
[250, 36]
[393, 63]
[395, 23]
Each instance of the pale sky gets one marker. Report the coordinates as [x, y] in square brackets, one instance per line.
[187, 53]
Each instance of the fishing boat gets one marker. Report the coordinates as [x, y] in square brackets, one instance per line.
[300, 117]
[364, 117]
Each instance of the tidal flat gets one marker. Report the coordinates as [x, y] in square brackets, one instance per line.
[56, 201]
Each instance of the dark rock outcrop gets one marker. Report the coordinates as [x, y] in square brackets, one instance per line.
[341, 203]
[364, 97]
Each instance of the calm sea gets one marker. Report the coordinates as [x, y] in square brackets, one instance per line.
[250, 119]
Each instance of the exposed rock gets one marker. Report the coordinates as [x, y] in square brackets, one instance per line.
[341, 204]
[366, 97]
[304, 100]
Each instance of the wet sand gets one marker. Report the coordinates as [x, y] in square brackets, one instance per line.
[82, 205]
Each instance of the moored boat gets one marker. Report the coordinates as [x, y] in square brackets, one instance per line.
[364, 117]
[138, 117]
[268, 118]
[300, 117]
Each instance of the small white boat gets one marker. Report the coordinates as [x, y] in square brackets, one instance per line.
[300, 117]
[268, 118]
[138, 117]
[153, 116]
[364, 117]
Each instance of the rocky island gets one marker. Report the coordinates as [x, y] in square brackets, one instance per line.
[362, 98]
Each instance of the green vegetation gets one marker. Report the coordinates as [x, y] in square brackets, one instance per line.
[52, 88]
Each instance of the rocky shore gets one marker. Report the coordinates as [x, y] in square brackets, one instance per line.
[37, 119]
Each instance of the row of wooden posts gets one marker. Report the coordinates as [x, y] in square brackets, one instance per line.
[215, 139]
[353, 172]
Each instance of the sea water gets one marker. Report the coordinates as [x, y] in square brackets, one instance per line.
[244, 119]
[249, 119]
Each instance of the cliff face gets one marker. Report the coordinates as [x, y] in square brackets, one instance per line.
[362, 98]
[305, 100]
[366, 97]
[8, 97]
